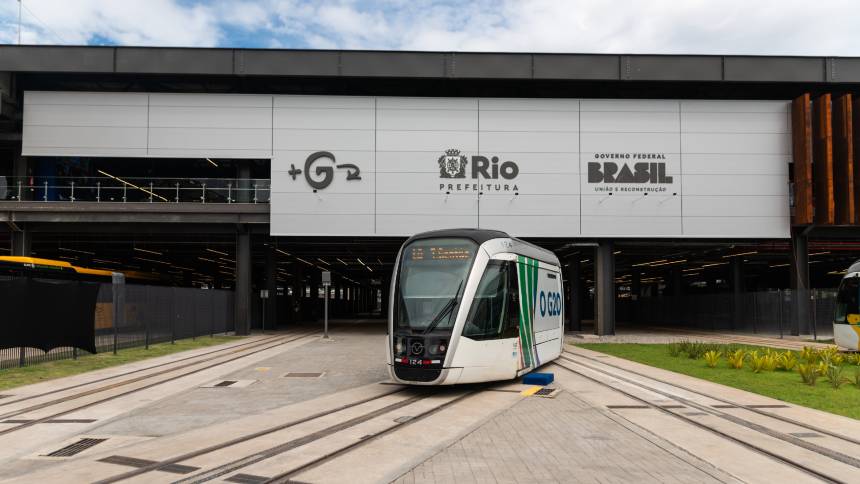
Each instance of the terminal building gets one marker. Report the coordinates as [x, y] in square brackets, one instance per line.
[675, 189]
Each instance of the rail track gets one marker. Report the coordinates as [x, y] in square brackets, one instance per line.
[145, 382]
[842, 450]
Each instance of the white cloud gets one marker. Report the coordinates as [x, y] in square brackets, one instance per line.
[626, 26]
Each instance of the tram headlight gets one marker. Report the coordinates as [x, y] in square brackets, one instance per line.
[438, 349]
[399, 347]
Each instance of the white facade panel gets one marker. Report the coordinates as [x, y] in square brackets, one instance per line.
[630, 122]
[528, 121]
[739, 164]
[737, 226]
[740, 143]
[528, 142]
[404, 165]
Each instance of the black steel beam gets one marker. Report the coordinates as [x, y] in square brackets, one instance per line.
[429, 65]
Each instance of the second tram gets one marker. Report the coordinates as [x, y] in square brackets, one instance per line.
[846, 321]
[472, 305]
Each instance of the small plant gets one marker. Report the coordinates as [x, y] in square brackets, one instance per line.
[808, 373]
[770, 361]
[822, 368]
[787, 361]
[674, 349]
[853, 359]
[757, 362]
[835, 377]
[857, 377]
[736, 359]
[712, 357]
[810, 355]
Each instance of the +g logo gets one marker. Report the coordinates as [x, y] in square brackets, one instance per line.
[321, 176]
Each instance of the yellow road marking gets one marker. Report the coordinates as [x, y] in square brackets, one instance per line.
[530, 391]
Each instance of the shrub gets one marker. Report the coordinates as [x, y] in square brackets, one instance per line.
[853, 359]
[712, 357]
[674, 349]
[770, 361]
[835, 377]
[736, 359]
[808, 373]
[821, 368]
[787, 361]
[757, 362]
[857, 377]
[810, 355]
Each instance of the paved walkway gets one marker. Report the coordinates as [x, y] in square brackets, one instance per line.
[561, 439]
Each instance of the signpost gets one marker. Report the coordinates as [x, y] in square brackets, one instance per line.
[326, 281]
[264, 294]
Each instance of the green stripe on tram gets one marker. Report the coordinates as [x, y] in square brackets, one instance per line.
[528, 273]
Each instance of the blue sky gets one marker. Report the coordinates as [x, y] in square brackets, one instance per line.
[595, 26]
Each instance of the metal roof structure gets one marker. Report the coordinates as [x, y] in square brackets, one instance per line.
[428, 65]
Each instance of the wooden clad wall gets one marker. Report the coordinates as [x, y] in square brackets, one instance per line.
[843, 161]
[822, 156]
[801, 138]
[855, 115]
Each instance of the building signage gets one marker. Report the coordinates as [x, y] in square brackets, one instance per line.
[629, 172]
[395, 166]
[454, 165]
[322, 175]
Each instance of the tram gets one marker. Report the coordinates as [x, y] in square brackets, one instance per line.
[471, 305]
[846, 321]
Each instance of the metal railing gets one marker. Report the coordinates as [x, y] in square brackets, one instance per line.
[777, 312]
[153, 314]
[135, 189]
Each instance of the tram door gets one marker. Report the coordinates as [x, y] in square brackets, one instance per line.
[540, 312]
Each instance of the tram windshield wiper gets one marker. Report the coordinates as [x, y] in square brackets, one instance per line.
[446, 309]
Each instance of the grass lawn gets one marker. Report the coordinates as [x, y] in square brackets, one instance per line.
[15, 377]
[782, 385]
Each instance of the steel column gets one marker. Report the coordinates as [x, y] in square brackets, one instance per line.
[243, 282]
[605, 280]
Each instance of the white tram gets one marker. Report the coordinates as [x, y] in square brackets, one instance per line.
[846, 321]
[471, 305]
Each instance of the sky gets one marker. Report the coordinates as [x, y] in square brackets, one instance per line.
[767, 27]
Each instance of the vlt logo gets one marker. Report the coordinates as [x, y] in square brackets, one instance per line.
[320, 176]
[550, 304]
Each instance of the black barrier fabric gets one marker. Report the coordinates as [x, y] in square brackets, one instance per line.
[47, 313]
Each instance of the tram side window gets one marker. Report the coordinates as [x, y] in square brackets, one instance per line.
[848, 301]
[494, 312]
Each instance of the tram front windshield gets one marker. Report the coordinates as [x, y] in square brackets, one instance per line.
[848, 301]
[430, 284]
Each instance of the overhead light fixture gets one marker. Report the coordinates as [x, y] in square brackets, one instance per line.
[712, 264]
[728, 256]
[212, 162]
[131, 185]
[151, 260]
[323, 261]
[216, 251]
[306, 262]
[341, 261]
[76, 250]
[648, 263]
[779, 265]
[207, 260]
[360, 262]
[283, 252]
[819, 253]
[368, 268]
[668, 263]
[153, 252]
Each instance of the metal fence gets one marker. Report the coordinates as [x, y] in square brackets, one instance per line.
[109, 189]
[153, 314]
[807, 312]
